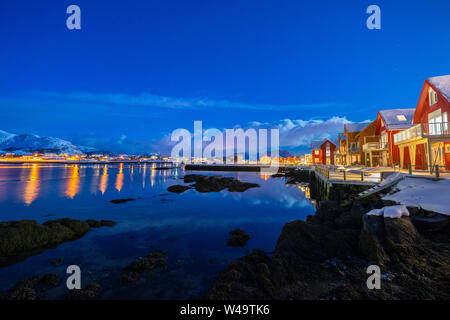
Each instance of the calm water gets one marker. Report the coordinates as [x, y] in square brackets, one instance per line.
[192, 227]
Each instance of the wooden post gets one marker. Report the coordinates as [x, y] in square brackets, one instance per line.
[410, 169]
[345, 175]
[437, 171]
[362, 175]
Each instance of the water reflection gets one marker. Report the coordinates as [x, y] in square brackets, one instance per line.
[104, 180]
[73, 183]
[31, 191]
[119, 178]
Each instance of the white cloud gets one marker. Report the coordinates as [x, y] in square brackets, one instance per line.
[294, 134]
[153, 100]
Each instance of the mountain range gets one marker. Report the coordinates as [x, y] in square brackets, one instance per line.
[29, 143]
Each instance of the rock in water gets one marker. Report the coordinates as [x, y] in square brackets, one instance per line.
[22, 239]
[217, 183]
[178, 188]
[117, 201]
[238, 238]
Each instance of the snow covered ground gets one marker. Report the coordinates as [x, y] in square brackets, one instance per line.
[428, 194]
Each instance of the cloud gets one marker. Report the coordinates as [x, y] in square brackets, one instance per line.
[152, 100]
[295, 135]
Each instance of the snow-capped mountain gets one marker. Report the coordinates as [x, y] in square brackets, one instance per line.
[33, 143]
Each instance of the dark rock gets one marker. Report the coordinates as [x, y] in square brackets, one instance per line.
[89, 292]
[432, 224]
[117, 201]
[24, 238]
[178, 188]
[217, 183]
[27, 289]
[278, 175]
[238, 238]
[148, 264]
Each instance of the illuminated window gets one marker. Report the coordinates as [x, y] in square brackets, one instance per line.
[432, 96]
[401, 117]
[316, 152]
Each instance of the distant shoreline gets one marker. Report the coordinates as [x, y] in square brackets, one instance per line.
[83, 162]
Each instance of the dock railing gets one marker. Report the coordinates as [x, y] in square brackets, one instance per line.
[336, 174]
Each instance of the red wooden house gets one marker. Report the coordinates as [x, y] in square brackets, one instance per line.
[388, 123]
[328, 149]
[427, 143]
[316, 152]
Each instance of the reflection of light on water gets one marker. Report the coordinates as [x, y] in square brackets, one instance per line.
[153, 175]
[132, 172]
[73, 184]
[306, 190]
[119, 178]
[104, 180]
[143, 176]
[265, 177]
[32, 186]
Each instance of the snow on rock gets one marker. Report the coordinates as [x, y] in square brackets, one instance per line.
[429, 194]
[390, 212]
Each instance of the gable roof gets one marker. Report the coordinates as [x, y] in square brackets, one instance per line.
[326, 140]
[368, 126]
[315, 145]
[442, 84]
[392, 118]
[355, 127]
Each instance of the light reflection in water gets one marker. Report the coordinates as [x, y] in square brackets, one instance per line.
[73, 184]
[119, 178]
[104, 180]
[153, 175]
[143, 176]
[32, 186]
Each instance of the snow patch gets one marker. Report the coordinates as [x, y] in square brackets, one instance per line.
[425, 193]
[390, 212]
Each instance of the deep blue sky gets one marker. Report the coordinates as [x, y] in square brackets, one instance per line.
[139, 69]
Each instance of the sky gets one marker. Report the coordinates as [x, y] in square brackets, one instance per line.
[137, 70]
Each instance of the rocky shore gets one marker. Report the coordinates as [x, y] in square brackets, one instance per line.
[24, 238]
[326, 257]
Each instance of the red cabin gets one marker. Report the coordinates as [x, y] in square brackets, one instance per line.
[427, 143]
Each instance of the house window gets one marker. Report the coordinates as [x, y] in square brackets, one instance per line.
[432, 96]
[316, 152]
[435, 122]
[445, 122]
[401, 117]
[447, 148]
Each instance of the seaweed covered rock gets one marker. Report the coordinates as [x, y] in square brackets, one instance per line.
[217, 183]
[24, 238]
[89, 292]
[148, 264]
[178, 188]
[33, 288]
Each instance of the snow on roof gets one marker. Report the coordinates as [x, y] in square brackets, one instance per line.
[442, 84]
[397, 118]
[315, 145]
[355, 127]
